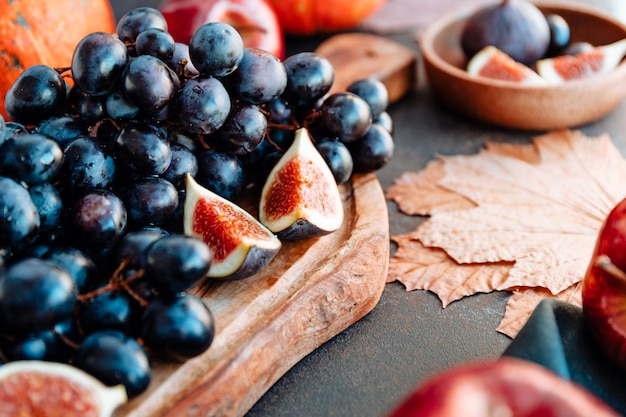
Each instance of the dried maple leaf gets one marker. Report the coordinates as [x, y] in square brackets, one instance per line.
[524, 300]
[509, 217]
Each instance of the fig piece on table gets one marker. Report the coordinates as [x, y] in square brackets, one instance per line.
[300, 198]
[598, 60]
[241, 246]
[604, 287]
[502, 387]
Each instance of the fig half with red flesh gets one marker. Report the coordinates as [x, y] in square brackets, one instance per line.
[300, 198]
[598, 60]
[604, 287]
[241, 245]
[41, 388]
[490, 62]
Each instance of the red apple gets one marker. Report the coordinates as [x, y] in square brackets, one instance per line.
[503, 387]
[305, 17]
[604, 287]
[255, 21]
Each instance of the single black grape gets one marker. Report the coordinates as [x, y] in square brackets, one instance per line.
[136, 21]
[216, 49]
[143, 147]
[155, 42]
[37, 94]
[98, 63]
[35, 294]
[19, 222]
[87, 165]
[373, 151]
[150, 201]
[115, 358]
[77, 263]
[118, 107]
[338, 158]
[178, 328]
[559, 34]
[384, 119]
[203, 105]
[346, 115]
[222, 173]
[49, 205]
[149, 83]
[243, 130]
[309, 78]
[259, 78]
[374, 92]
[175, 263]
[99, 219]
[31, 158]
[183, 162]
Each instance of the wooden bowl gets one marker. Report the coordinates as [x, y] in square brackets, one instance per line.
[511, 105]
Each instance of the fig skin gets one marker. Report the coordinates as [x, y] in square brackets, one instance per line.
[516, 27]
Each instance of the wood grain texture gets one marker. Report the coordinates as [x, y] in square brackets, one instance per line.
[310, 292]
[362, 55]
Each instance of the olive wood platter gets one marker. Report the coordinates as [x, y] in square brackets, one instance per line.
[310, 292]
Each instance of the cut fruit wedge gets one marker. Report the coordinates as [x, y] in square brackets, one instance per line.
[599, 60]
[490, 62]
[38, 388]
[241, 245]
[300, 198]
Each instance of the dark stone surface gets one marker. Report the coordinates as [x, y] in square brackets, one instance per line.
[372, 365]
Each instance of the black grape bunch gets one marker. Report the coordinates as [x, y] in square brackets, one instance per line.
[94, 267]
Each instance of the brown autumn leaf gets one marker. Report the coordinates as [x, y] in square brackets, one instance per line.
[521, 218]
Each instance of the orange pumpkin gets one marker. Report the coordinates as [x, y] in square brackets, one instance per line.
[306, 17]
[45, 32]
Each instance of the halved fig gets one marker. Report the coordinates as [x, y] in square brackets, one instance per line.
[599, 60]
[300, 198]
[491, 62]
[241, 245]
[39, 388]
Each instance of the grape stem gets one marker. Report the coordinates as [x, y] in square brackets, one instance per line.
[117, 282]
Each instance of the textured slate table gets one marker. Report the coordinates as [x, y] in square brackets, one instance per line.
[373, 364]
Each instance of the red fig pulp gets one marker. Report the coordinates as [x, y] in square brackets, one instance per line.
[241, 245]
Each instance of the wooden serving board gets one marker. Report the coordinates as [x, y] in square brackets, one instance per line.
[362, 55]
[310, 292]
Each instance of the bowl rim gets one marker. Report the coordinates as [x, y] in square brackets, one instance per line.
[426, 46]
